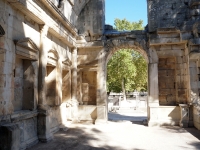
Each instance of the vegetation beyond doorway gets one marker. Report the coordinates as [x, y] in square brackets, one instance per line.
[127, 69]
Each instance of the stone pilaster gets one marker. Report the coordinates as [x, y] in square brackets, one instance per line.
[44, 133]
[153, 99]
[74, 101]
[74, 74]
[102, 114]
[7, 63]
[153, 91]
[42, 66]
[59, 83]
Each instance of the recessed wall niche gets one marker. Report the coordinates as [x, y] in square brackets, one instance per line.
[52, 88]
[25, 75]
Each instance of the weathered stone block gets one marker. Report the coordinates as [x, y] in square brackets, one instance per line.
[9, 137]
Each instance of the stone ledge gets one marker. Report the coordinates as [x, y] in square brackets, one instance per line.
[59, 15]
[153, 123]
[22, 115]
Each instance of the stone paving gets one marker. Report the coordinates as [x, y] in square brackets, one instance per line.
[123, 133]
[123, 136]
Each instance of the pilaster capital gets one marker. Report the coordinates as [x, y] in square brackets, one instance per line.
[44, 29]
[74, 50]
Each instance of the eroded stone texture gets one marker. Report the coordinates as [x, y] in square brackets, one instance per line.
[53, 57]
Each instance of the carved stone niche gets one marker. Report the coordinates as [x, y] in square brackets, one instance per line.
[25, 75]
[52, 90]
[66, 80]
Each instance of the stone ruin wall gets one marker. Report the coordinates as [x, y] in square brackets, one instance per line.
[53, 57]
[173, 27]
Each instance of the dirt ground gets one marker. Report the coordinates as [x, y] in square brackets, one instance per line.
[122, 136]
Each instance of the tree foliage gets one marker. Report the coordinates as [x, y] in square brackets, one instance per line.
[127, 66]
[124, 24]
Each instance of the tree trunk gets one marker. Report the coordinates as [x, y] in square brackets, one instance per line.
[123, 89]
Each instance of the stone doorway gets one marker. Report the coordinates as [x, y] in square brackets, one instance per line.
[134, 107]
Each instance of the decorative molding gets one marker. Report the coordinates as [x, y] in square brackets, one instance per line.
[52, 58]
[66, 64]
[60, 16]
[71, 2]
[26, 49]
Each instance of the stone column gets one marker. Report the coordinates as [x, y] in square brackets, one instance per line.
[153, 99]
[44, 133]
[42, 67]
[74, 74]
[102, 114]
[74, 85]
[153, 94]
[58, 100]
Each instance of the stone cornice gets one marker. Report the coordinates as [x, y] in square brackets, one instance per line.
[28, 8]
[58, 14]
[33, 11]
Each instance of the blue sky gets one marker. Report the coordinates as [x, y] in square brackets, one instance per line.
[132, 10]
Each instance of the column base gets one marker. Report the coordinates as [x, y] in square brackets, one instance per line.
[100, 121]
[45, 138]
[44, 133]
[153, 123]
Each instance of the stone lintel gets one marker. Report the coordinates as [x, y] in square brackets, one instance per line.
[87, 68]
[167, 30]
[91, 45]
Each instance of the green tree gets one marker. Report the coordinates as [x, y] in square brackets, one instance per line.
[127, 69]
[124, 24]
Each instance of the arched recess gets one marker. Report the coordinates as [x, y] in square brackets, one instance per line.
[53, 95]
[110, 47]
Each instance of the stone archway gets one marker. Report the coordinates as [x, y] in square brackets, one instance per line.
[114, 45]
[130, 40]
[136, 102]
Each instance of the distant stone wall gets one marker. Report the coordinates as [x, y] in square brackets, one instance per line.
[168, 13]
[91, 23]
